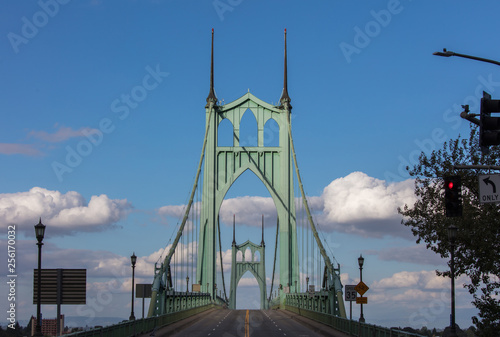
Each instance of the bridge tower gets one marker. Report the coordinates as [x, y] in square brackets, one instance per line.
[224, 164]
[257, 268]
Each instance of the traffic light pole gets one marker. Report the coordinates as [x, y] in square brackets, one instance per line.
[447, 53]
[465, 114]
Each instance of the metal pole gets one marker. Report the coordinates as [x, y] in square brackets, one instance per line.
[39, 292]
[350, 317]
[132, 317]
[447, 53]
[361, 317]
[453, 332]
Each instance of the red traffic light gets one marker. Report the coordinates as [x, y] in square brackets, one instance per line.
[452, 196]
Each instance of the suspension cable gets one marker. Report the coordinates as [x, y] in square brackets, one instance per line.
[166, 261]
[275, 251]
[221, 264]
[313, 228]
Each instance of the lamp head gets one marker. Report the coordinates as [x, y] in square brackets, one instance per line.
[40, 231]
[444, 53]
[133, 259]
[361, 260]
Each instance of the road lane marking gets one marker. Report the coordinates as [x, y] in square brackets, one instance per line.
[247, 328]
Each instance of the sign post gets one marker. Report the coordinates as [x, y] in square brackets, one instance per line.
[361, 288]
[350, 295]
[143, 291]
[60, 286]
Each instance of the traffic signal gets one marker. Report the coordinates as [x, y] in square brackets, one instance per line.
[453, 196]
[489, 127]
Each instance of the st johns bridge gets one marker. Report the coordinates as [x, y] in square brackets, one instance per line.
[306, 296]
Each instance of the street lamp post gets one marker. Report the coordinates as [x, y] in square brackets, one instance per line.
[187, 283]
[452, 234]
[447, 53]
[40, 233]
[133, 260]
[361, 260]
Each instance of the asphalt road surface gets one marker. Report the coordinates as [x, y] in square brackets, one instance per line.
[245, 323]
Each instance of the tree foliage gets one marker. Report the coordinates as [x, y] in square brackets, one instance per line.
[477, 247]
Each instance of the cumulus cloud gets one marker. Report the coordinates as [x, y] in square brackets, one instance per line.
[425, 279]
[66, 213]
[366, 206]
[356, 204]
[249, 210]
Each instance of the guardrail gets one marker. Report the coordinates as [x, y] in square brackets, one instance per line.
[140, 326]
[347, 326]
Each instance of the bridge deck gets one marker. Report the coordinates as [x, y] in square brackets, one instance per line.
[223, 322]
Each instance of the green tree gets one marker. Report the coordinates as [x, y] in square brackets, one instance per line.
[477, 252]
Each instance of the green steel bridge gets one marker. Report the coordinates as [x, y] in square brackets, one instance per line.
[274, 166]
[312, 290]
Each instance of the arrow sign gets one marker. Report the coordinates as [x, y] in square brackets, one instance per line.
[488, 188]
[361, 288]
[487, 181]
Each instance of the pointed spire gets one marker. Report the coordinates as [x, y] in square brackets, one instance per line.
[285, 99]
[211, 95]
[234, 238]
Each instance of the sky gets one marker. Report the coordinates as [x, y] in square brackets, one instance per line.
[102, 124]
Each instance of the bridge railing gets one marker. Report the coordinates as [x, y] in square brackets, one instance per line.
[274, 303]
[309, 307]
[178, 301]
[186, 306]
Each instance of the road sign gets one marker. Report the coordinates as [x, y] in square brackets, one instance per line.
[489, 188]
[350, 293]
[361, 288]
[61, 286]
[362, 300]
[143, 290]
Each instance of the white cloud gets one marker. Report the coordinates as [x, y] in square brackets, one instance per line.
[425, 279]
[249, 211]
[65, 213]
[355, 204]
[173, 211]
[360, 197]
[366, 206]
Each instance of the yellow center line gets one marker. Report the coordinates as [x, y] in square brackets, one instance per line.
[247, 328]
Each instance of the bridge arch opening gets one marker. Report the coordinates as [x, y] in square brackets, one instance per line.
[239, 256]
[225, 133]
[248, 129]
[248, 292]
[271, 133]
[249, 199]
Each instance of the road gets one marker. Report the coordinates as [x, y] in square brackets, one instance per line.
[245, 323]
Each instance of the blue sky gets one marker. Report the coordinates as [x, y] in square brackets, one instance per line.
[123, 85]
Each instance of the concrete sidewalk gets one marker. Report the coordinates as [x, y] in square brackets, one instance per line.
[179, 326]
[317, 327]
